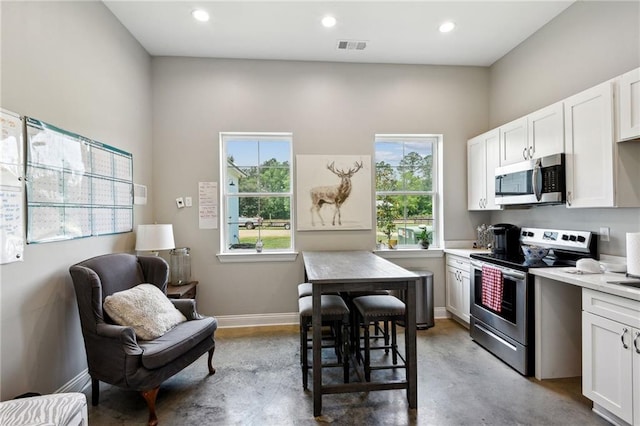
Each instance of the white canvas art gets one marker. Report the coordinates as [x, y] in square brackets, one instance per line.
[333, 192]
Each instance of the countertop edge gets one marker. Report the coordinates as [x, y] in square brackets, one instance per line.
[464, 252]
[596, 282]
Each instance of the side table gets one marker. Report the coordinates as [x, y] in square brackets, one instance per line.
[184, 291]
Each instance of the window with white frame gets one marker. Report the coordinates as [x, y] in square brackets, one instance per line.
[256, 192]
[406, 189]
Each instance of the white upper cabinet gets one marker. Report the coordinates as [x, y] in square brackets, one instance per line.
[599, 172]
[589, 147]
[482, 159]
[545, 130]
[629, 105]
[539, 134]
[513, 142]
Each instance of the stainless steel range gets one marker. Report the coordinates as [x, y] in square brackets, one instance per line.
[502, 298]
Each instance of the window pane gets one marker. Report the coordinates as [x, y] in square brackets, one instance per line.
[252, 218]
[274, 176]
[243, 152]
[389, 152]
[404, 217]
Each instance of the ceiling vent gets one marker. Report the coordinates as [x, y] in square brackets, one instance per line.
[351, 44]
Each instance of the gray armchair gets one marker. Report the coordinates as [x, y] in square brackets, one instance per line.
[114, 355]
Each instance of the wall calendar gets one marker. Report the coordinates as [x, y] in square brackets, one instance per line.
[76, 187]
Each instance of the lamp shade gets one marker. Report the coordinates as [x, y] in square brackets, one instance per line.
[154, 237]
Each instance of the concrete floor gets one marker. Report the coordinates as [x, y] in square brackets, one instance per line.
[258, 382]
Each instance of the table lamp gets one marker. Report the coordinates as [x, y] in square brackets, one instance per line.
[154, 238]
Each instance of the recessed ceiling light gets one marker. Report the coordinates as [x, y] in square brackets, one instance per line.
[200, 15]
[329, 21]
[446, 27]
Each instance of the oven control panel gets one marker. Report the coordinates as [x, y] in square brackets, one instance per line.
[555, 238]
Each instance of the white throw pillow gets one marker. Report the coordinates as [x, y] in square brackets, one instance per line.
[145, 308]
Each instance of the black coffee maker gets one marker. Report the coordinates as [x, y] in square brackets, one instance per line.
[506, 239]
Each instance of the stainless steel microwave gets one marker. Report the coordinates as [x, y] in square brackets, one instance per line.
[536, 181]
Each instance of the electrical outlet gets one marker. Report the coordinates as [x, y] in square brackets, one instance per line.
[179, 202]
[188, 201]
[604, 233]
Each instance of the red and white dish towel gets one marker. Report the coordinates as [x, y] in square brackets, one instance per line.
[492, 288]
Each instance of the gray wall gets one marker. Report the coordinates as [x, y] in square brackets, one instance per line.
[73, 65]
[589, 43]
[330, 108]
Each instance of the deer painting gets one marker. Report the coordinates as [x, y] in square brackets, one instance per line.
[333, 194]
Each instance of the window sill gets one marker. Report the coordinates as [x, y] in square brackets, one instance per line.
[257, 257]
[409, 253]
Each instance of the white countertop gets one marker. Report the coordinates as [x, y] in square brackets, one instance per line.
[465, 252]
[593, 281]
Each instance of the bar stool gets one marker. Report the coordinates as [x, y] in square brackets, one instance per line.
[335, 314]
[378, 331]
[374, 308]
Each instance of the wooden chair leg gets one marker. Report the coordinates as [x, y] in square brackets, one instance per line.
[345, 349]
[305, 356]
[394, 342]
[95, 391]
[209, 363]
[367, 350]
[150, 396]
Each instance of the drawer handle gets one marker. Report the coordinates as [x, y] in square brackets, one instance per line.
[635, 342]
[624, 331]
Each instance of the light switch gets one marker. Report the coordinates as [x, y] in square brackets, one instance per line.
[188, 201]
[179, 202]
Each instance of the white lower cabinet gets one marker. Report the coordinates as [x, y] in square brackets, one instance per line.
[458, 295]
[611, 354]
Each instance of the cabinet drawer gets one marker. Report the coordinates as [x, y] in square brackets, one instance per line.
[617, 308]
[458, 262]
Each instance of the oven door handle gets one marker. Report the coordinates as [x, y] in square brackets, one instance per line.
[505, 272]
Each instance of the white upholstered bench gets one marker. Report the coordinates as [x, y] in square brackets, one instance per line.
[62, 409]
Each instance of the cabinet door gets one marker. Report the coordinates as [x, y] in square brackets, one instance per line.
[483, 156]
[546, 131]
[453, 291]
[607, 364]
[513, 142]
[636, 376]
[465, 287]
[589, 147]
[629, 105]
[476, 173]
[492, 152]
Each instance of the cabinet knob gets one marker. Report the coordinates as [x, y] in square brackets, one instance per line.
[569, 198]
[635, 342]
[524, 153]
[531, 151]
[624, 331]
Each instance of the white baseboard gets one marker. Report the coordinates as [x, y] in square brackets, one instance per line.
[441, 313]
[77, 384]
[286, 318]
[231, 321]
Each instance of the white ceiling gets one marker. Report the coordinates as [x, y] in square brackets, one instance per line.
[400, 32]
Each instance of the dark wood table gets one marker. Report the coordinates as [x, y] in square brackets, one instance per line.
[331, 271]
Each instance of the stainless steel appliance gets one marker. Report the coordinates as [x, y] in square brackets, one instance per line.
[535, 181]
[508, 332]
